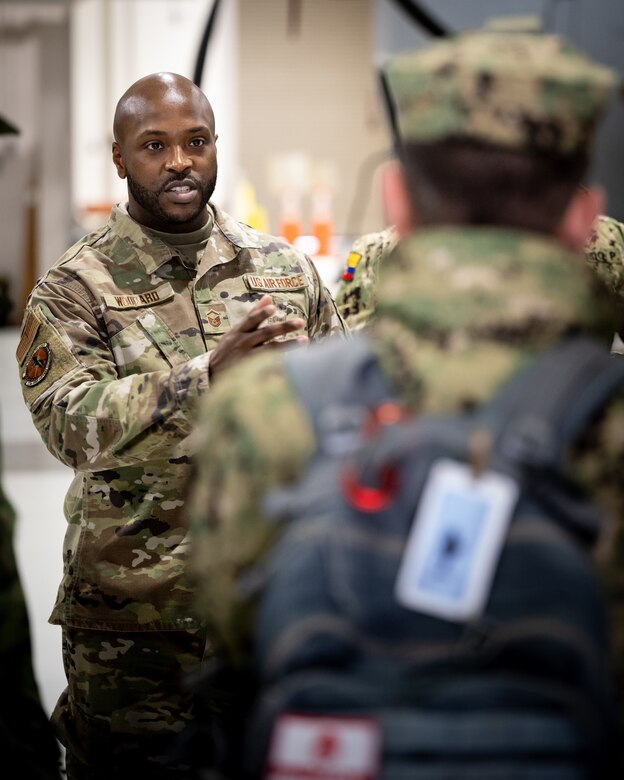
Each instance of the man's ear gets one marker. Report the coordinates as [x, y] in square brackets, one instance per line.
[118, 161]
[395, 198]
[578, 219]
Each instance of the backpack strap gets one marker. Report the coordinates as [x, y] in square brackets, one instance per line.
[338, 382]
[541, 410]
[536, 415]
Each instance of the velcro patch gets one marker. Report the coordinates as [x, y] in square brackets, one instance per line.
[38, 365]
[29, 331]
[319, 747]
[45, 364]
[137, 300]
[275, 283]
[350, 266]
[214, 317]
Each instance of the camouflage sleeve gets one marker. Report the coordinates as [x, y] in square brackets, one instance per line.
[605, 252]
[355, 297]
[326, 320]
[89, 416]
[263, 439]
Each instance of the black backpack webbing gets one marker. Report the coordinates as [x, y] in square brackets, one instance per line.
[536, 414]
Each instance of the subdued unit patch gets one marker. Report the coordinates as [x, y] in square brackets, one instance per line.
[60, 362]
[38, 366]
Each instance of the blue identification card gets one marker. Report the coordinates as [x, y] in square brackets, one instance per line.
[455, 541]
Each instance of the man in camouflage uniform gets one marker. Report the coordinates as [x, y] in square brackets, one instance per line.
[496, 130]
[120, 340]
[27, 742]
[355, 297]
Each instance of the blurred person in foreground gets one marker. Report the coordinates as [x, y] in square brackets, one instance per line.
[355, 296]
[121, 338]
[27, 741]
[495, 134]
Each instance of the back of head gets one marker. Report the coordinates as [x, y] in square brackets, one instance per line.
[512, 114]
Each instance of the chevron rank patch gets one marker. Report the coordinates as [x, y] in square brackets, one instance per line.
[214, 317]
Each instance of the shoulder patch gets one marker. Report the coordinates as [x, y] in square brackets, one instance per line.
[275, 283]
[137, 300]
[352, 263]
[45, 363]
[29, 331]
[38, 365]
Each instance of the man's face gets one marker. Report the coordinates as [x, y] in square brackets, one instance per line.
[168, 156]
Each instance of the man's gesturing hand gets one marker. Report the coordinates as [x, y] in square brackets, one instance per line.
[249, 336]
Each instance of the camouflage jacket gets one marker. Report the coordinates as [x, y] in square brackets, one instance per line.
[355, 297]
[605, 253]
[457, 312]
[113, 359]
[26, 736]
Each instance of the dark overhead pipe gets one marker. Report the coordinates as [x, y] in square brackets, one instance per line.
[7, 128]
[422, 18]
[203, 46]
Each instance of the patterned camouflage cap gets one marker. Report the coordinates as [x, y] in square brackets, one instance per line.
[521, 90]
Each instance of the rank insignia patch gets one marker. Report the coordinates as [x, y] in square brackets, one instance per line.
[214, 318]
[38, 365]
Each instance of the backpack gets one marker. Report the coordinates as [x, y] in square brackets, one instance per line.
[490, 660]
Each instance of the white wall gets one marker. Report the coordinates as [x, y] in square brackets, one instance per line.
[34, 170]
[116, 42]
[63, 66]
[308, 88]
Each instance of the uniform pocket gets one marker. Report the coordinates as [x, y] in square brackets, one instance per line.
[146, 345]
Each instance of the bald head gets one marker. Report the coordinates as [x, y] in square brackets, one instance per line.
[162, 91]
[165, 147]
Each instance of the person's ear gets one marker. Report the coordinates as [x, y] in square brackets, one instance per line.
[118, 161]
[576, 224]
[395, 198]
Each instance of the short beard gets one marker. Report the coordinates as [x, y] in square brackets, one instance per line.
[148, 199]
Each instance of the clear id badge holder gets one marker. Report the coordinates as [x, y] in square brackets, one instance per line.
[455, 542]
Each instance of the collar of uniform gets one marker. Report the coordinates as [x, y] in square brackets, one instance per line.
[150, 250]
[228, 238]
[458, 310]
[242, 236]
[449, 278]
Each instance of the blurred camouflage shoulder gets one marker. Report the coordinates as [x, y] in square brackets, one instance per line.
[355, 297]
[605, 252]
